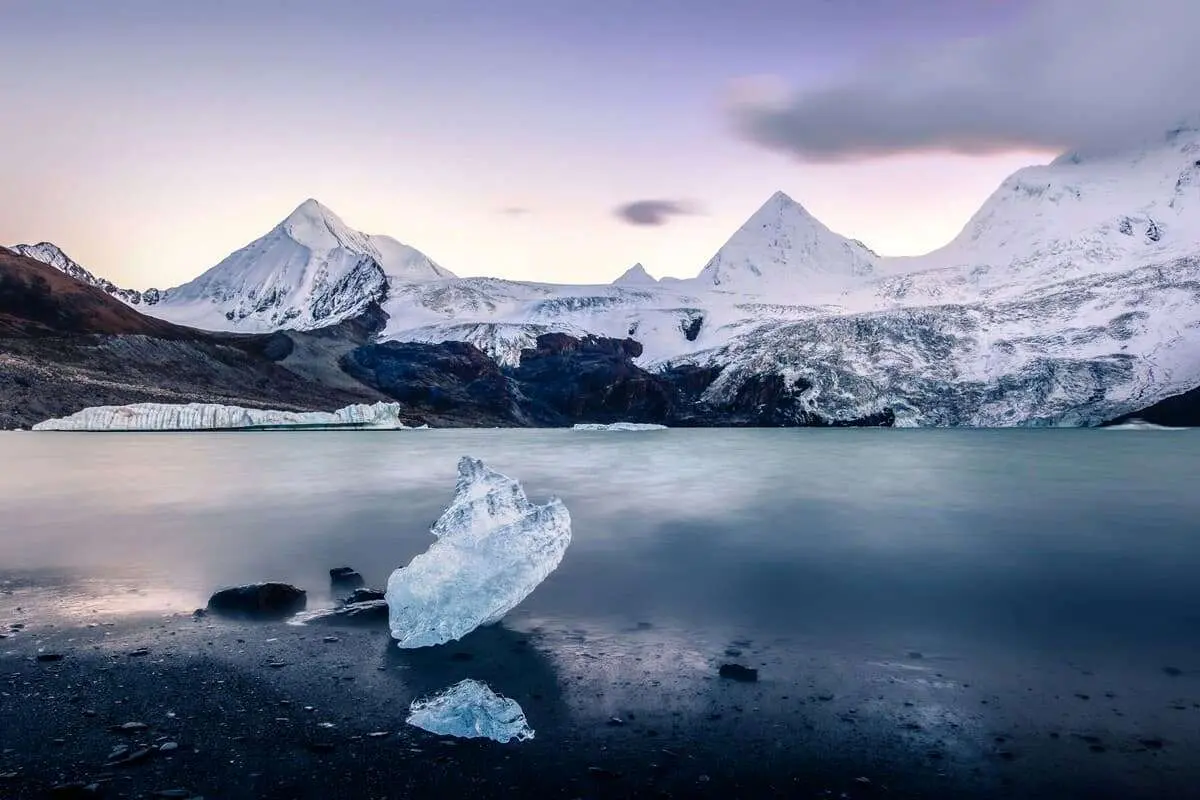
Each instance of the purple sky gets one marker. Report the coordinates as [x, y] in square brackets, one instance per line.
[151, 138]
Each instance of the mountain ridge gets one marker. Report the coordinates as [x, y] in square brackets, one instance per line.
[1029, 291]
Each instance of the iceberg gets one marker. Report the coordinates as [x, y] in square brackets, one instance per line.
[618, 426]
[214, 416]
[1141, 425]
[493, 548]
[471, 710]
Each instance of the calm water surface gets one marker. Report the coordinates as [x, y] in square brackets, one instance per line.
[1042, 542]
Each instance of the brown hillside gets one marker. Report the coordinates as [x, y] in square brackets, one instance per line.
[37, 300]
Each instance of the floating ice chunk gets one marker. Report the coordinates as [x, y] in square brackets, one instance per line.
[213, 416]
[619, 426]
[494, 547]
[1142, 425]
[471, 710]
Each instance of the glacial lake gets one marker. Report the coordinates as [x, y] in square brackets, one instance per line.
[957, 587]
[926, 538]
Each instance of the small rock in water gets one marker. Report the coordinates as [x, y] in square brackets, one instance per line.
[47, 657]
[366, 613]
[377, 734]
[330, 639]
[167, 747]
[184, 794]
[344, 579]
[738, 673]
[1174, 672]
[141, 651]
[364, 596]
[259, 600]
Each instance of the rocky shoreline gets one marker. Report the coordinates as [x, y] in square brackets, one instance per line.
[192, 706]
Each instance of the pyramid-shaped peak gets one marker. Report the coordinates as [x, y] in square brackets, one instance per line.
[635, 276]
[315, 225]
[311, 210]
[782, 203]
[787, 251]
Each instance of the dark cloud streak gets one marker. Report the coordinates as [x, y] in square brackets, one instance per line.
[653, 212]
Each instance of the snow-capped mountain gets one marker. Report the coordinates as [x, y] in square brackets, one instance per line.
[785, 252]
[636, 276]
[308, 271]
[52, 255]
[1070, 297]
[1080, 215]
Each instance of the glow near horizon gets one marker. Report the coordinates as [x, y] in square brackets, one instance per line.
[151, 151]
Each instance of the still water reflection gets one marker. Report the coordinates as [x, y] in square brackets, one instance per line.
[936, 539]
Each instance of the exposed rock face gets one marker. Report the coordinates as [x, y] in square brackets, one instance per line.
[1177, 411]
[259, 600]
[590, 379]
[451, 382]
[565, 379]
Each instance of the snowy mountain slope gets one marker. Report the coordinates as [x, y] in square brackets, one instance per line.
[309, 271]
[636, 276]
[785, 252]
[1080, 215]
[502, 317]
[1078, 352]
[53, 255]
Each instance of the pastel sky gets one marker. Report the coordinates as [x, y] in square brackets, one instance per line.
[501, 137]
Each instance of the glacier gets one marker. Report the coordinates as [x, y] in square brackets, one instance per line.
[471, 710]
[618, 426]
[214, 416]
[493, 548]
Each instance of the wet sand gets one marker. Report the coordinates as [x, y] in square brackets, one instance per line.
[277, 711]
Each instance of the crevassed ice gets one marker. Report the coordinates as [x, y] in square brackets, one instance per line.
[214, 416]
[493, 549]
[619, 426]
[470, 709]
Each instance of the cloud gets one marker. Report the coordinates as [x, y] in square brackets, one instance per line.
[1089, 75]
[653, 212]
[514, 211]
